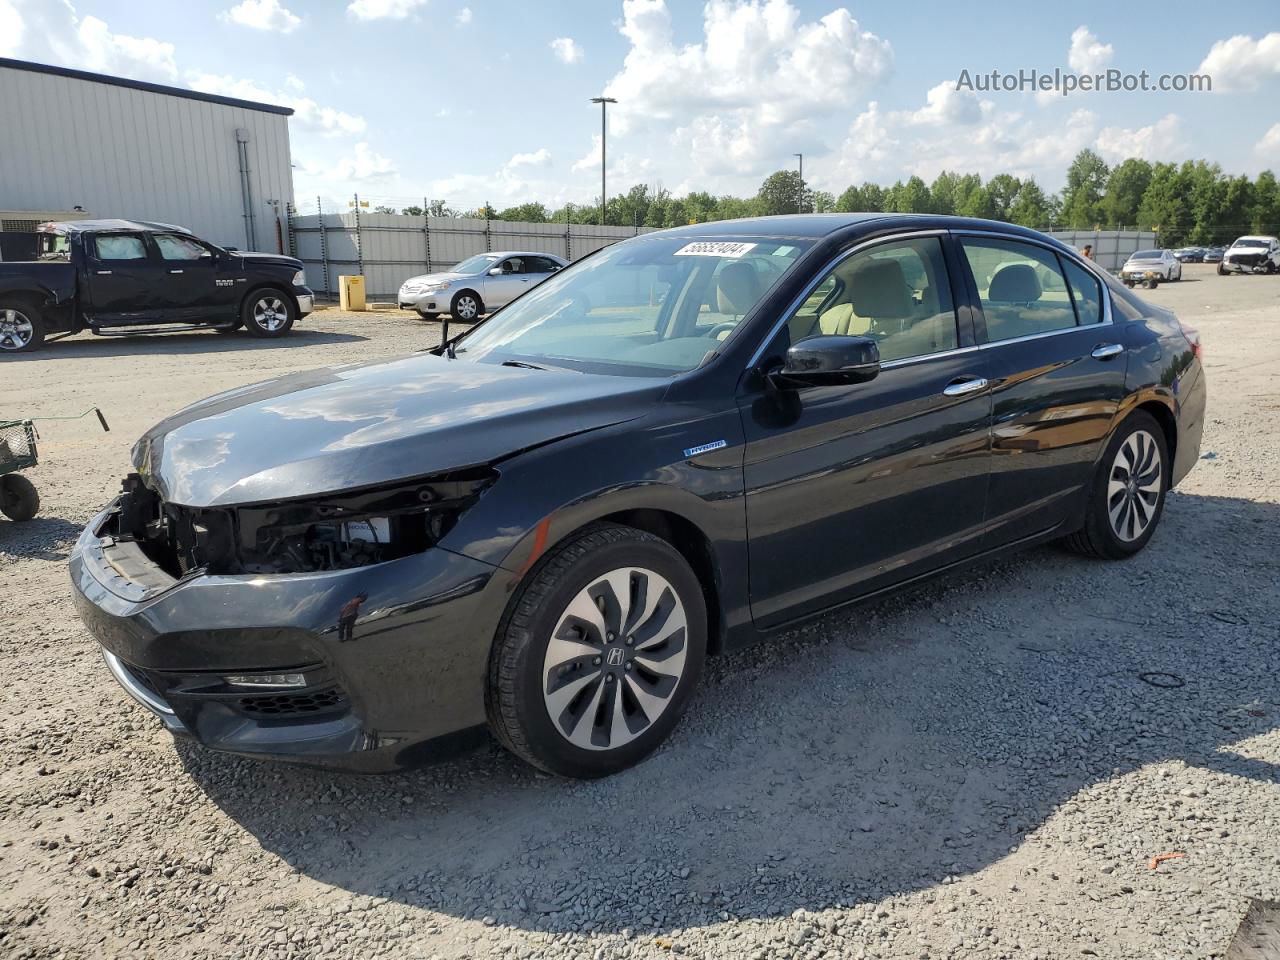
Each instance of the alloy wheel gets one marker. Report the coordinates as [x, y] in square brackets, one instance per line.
[269, 313]
[467, 308]
[615, 658]
[1133, 488]
[16, 330]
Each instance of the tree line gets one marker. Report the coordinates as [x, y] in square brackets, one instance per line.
[1194, 202]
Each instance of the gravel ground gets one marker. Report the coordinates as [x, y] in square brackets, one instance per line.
[972, 769]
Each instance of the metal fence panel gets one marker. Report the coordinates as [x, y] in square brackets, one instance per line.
[1111, 248]
[390, 248]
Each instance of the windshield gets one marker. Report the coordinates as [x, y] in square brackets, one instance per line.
[649, 306]
[477, 264]
[1147, 255]
[1249, 242]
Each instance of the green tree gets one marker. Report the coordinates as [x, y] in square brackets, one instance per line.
[1165, 207]
[910, 197]
[525, 213]
[1031, 208]
[781, 192]
[1264, 215]
[1208, 190]
[733, 208]
[1125, 187]
[821, 202]
[1003, 189]
[1236, 213]
[1082, 196]
[850, 201]
[412, 211]
[979, 203]
[438, 208]
[383, 208]
[873, 198]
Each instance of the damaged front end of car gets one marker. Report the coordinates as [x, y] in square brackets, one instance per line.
[314, 534]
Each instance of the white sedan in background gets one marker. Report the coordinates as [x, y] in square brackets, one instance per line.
[478, 284]
[1145, 264]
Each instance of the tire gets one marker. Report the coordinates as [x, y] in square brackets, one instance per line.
[268, 313]
[466, 306]
[19, 499]
[428, 317]
[1222, 271]
[556, 730]
[1110, 531]
[21, 327]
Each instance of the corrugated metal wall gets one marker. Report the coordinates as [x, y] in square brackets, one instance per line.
[1111, 248]
[121, 152]
[388, 249]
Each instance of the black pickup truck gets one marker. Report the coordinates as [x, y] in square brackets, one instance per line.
[127, 276]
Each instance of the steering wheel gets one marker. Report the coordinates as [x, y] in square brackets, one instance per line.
[719, 328]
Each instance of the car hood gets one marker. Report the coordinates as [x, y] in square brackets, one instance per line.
[435, 278]
[360, 425]
[270, 258]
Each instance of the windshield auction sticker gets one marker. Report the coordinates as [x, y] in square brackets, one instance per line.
[715, 248]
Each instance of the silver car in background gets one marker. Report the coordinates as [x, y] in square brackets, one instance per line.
[478, 284]
[1151, 267]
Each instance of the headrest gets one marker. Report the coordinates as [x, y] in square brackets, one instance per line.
[737, 288]
[1015, 283]
[878, 290]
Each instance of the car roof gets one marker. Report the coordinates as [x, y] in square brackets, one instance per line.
[516, 253]
[1253, 236]
[819, 225]
[69, 227]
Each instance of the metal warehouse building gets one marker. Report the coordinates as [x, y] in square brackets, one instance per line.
[104, 147]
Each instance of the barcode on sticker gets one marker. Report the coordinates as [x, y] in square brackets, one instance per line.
[715, 248]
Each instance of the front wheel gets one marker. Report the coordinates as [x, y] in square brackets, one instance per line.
[598, 654]
[427, 317]
[1126, 497]
[268, 313]
[466, 306]
[19, 499]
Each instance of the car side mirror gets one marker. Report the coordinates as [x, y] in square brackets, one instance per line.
[829, 361]
[495, 272]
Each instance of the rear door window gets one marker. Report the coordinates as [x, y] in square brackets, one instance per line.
[173, 247]
[120, 246]
[1021, 287]
[1086, 293]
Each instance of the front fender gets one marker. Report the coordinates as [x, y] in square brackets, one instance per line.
[545, 495]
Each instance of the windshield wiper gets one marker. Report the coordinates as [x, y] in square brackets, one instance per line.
[521, 363]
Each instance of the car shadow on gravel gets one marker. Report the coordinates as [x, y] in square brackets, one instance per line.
[878, 751]
[44, 538]
[87, 346]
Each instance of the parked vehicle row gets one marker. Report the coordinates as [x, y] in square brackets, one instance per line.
[673, 448]
[127, 276]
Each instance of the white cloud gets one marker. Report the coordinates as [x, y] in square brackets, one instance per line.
[1087, 53]
[11, 29]
[307, 113]
[1161, 140]
[383, 9]
[1269, 146]
[363, 165]
[539, 158]
[566, 49]
[463, 16]
[946, 104]
[760, 76]
[50, 31]
[1242, 63]
[263, 15]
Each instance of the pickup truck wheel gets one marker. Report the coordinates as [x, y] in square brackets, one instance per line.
[18, 497]
[21, 327]
[268, 313]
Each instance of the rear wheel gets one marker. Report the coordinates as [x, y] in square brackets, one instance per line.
[268, 313]
[19, 499]
[598, 654]
[1126, 498]
[21, 327]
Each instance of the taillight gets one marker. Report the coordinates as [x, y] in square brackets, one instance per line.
[1193, 338]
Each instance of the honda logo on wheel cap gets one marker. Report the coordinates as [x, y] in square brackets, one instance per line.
[615, 657]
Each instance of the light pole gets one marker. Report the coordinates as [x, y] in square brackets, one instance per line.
[604, 105]
[800, 199]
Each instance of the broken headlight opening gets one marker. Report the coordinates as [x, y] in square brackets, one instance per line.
[332, 532]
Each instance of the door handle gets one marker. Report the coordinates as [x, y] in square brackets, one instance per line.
[1106, 351]
[104, 273]
[175, 271]
[962, 388]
